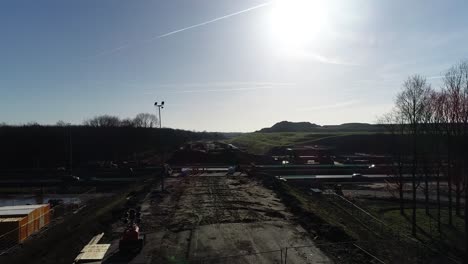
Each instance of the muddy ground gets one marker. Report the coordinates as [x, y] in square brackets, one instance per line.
[218, 219]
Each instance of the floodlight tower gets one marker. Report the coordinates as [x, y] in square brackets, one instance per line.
[159, 106]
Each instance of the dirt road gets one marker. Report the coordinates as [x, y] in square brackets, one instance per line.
[220, 219]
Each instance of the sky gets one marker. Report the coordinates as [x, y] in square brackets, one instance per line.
[221, 65]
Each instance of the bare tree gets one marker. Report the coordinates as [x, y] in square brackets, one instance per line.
[32, 124]
[464, 69]
[141, 120]
[426, 150]
[145, 120]
[463, 134]
[62, 123]
[411, 103]
[127, 122]
[395, 126]
[103, 121]
[437, 103]
[453, 87]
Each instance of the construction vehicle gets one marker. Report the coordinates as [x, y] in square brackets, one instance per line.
[132, 240]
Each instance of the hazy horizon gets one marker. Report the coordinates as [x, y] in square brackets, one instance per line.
[220, 131]
[228, 66]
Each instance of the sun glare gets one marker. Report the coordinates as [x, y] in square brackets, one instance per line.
[297, 23]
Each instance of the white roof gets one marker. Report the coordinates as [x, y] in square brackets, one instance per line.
[26, 206]
[10, 219]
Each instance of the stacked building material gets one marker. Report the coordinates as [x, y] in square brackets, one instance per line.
[19, 222]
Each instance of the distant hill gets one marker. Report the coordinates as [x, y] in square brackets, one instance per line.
[286, 126]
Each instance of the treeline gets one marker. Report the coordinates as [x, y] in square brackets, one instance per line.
[36, 146]
[141, 120]
[145, 120]
[430, 140]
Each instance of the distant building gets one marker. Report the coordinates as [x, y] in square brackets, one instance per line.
[364, 158]
[304, 154]
[313, 155]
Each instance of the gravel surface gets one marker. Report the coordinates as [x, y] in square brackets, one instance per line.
[219, 219]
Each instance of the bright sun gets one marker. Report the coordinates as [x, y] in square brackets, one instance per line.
[297, 23]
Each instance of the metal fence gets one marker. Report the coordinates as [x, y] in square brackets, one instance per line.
[292, 254]
[414, 250]
[273, 256]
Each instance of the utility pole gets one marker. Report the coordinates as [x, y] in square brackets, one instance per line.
[70, 149]
[165, 170]
[159, 106]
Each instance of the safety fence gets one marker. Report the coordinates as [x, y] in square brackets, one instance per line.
[23, 222]
[297, 254]
[414, 250]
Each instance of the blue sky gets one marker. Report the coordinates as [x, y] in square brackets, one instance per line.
[221, 65]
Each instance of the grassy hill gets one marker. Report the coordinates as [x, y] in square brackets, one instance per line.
[286, 133]
[287, 126]
[260, 143]
[349, 142]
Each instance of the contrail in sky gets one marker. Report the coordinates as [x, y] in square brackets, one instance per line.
[212, 20]
[106, 52]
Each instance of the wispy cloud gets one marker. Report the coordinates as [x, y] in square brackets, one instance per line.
[224, 90]
[211, 21]
[435, 77]
[329, 106]
[218, 87]
[330, 60]
[223, 84]
[312, 55]
[109, 51]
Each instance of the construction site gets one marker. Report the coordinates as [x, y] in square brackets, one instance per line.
[203, 216]
[208, 204]
[214, 218]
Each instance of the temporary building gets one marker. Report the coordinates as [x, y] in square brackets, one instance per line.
[19, 222]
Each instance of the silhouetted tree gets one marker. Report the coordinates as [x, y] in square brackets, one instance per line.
[453, 88]
[32, 124]
[411, 104]
[145, 120]
[437, 104]
[394, 124]
[127, 123]
[456, 89]
[103, 121]
[62, 123]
